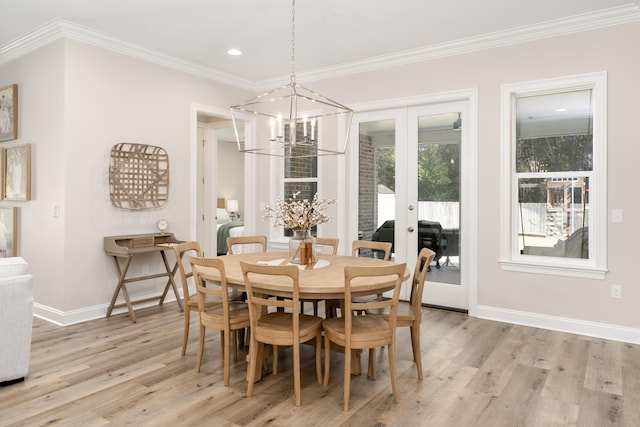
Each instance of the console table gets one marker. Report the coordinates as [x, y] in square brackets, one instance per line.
[123, 249]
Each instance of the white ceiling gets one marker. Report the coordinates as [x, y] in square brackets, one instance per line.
[332, 36]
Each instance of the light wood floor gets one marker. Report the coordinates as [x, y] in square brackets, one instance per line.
[477, 373]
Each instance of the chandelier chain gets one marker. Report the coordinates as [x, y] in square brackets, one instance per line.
[293, 41]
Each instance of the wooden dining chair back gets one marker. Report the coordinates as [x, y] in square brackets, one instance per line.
[216, 310]
[328, 245]
[376, 247]
[410, 312]
[249, 243]
[324, 245]
[189, 301]
[278, 328]
[364, 332]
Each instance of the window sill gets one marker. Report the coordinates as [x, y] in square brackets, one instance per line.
[554, 269]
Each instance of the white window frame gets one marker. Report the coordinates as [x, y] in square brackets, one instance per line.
[510, 258]
[278, 182]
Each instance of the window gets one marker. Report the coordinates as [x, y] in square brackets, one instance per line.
[300, 176]
[554, 176]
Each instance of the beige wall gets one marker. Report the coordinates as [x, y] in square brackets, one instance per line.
[76, 101]
[41, 95]
[537, 298]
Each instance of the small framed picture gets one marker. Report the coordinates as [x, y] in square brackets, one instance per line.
[8, 232]
[9, 113]
[16, 167]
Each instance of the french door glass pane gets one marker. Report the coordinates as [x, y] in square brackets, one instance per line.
[376, 197]
[438, 158]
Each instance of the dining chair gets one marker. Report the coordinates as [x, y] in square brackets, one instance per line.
[332, 306]
[376, 247]
[364, 332]
[246, 241]
[190, 302]
[328, 245]
[278, 328]
[410, 312]
[224, 315]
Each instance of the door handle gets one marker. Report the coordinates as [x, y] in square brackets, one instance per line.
[410, 229]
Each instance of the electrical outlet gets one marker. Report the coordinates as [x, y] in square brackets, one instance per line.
[616, 291]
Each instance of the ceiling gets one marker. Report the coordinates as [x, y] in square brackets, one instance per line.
[331, 36]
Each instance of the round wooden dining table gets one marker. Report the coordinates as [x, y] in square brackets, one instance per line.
[322, 280]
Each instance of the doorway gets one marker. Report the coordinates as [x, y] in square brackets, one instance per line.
[219, 174]
[416, 169]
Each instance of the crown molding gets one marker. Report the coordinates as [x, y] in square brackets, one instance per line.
[554, 28]
[61, 29]
[58, 29]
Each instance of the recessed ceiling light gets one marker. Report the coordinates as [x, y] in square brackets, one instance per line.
[560, 110]
[234, 52]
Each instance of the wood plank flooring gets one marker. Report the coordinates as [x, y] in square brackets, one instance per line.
[477, 373]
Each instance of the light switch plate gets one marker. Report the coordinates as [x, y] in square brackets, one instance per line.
[616, 216]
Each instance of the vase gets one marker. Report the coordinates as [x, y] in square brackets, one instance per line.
[302, 247]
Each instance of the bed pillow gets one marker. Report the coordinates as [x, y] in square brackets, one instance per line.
[223, 216]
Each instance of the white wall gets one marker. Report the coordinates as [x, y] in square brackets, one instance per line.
[519, 296]
[230, 175]
[41, 122]
[77, 101]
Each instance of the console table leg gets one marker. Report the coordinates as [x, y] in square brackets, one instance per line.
[170, 282]
[121, 286]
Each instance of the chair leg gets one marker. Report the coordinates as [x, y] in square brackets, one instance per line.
[221, 344]
[227, 357]
[200, 348]
[327, 360]
[185, 335]
[392, 372]
[275, 359]
[234, 343]
[415, 343]
[296, 373]
[372, 363]
[315, 308]
[318, 357]
[347, 377]
[253, 359]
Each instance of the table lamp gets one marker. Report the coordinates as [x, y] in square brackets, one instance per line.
[232, 208]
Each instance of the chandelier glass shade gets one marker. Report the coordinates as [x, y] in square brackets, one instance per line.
[292, 120]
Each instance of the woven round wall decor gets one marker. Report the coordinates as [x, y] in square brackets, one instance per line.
[138, 176]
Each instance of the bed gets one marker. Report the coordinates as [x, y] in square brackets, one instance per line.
[226, 227]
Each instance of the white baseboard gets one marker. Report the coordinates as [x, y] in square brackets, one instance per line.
[536, 320]
[66, 318]
[561, 324]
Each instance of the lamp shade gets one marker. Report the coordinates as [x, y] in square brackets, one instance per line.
[232, 205]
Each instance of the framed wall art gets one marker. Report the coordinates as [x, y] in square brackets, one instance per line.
[9, 112]
[16, 167]
[8, 232]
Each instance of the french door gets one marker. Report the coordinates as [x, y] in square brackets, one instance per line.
[411, 192]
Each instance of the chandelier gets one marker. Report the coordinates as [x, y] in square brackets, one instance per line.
[292, 120]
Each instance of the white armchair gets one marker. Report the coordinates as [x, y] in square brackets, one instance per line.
[16, 319]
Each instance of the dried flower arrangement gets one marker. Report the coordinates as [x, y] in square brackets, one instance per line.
[299, 214]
